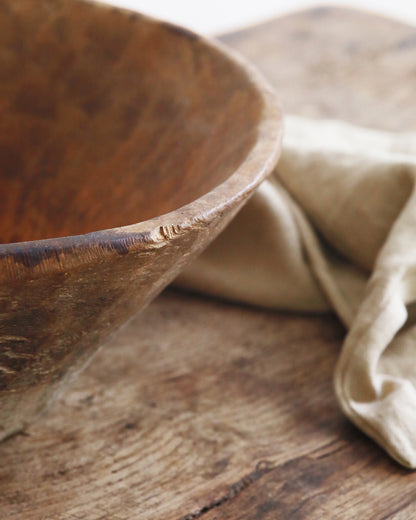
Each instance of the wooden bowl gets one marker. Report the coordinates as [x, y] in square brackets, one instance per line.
[126, 145]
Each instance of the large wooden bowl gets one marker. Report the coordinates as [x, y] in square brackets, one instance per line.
[107, 119]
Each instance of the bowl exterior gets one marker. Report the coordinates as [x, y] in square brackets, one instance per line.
[60, 309]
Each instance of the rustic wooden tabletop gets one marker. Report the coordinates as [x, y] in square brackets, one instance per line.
[202, 409]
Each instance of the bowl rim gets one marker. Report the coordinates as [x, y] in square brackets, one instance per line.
[200, 212]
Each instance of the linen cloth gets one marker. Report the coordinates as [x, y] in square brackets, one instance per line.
[334, 227]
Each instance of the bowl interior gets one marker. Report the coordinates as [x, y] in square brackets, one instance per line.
[108, 118]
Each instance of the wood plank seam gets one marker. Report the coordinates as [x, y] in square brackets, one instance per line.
[262, 468]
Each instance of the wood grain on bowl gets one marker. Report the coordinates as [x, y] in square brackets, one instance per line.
[109, 119]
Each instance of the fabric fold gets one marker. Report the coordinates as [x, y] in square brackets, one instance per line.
[334, 227]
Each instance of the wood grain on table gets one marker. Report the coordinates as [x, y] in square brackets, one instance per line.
[202, 409]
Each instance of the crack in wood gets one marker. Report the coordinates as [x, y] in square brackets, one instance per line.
[262, 468]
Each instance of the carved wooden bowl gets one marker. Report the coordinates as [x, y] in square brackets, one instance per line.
[126, 145]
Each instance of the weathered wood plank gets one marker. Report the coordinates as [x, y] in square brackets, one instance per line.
[166, 424]
[342, 63]
[223, 411]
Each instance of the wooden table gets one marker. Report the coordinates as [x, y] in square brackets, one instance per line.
[202, 409]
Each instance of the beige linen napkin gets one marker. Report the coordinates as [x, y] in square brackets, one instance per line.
[335, 227]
